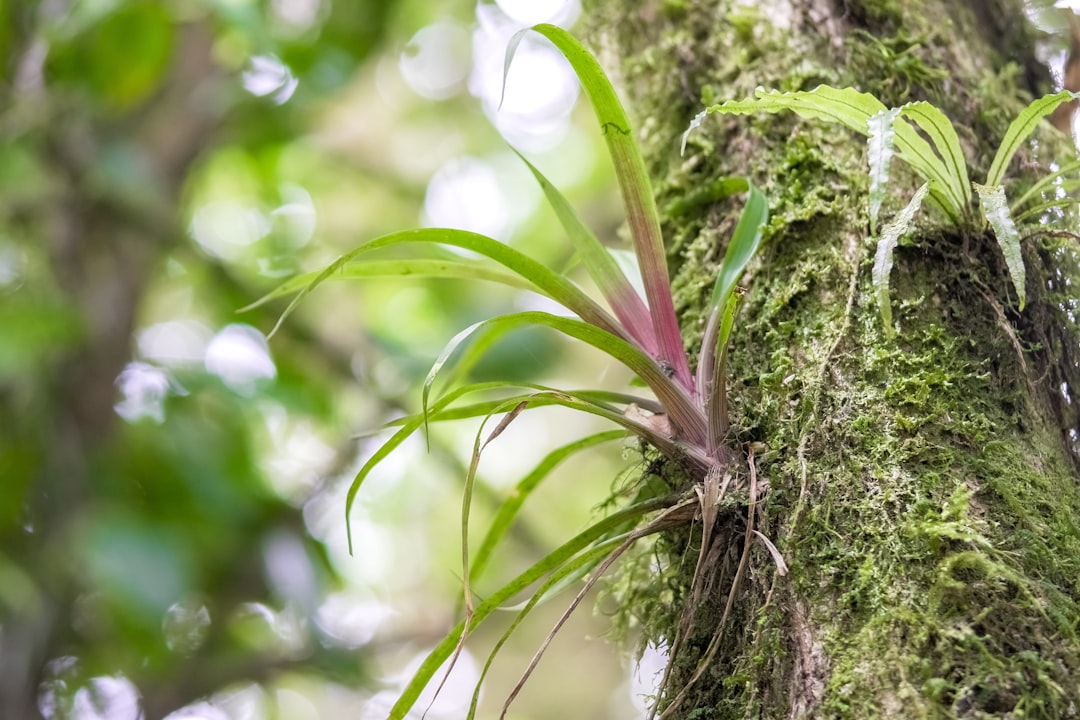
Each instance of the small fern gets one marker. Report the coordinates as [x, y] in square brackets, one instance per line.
[939, 161]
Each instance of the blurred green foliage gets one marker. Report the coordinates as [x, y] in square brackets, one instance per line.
[171, 489]
[154, 547]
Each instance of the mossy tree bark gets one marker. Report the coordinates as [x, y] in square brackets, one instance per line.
[923, 489]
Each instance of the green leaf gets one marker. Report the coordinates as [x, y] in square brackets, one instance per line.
[557, 581]
[547, 282]
[410, 267]
[744, 244]
[996, 210]
[890, 235]
[944, 138]
[604, 398]
[618, 291]
[481, 341]
[593, 402]
[854, 109]
[1024, 124]
[590, 401]
[683, 413]
[718, 417]
[509, 509]
[551, 562]
[846, 106]
[1037, 210]
[643, 218]
[879, 150]
[407, 428]
[917, 153]
[512, 410]
[1058, 178]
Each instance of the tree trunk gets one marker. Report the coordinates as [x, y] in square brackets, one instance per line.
[922, 489]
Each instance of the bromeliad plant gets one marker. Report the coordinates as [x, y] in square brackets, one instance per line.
[686, 420]
[937, 158]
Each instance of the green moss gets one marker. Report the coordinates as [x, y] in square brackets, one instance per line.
[895, 66]
[934, 553]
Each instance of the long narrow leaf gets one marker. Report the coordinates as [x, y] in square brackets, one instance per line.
[407, 428]
[546, 281]
[474, 353]
[944, 138]
[618, 291]
[597, 397]
[683, 413]
[668, 446]
[551, 562]
[589, 401]
[509, 509]
[1037, 210]
[411, 267]
[1055, 178]
[846, 106]
[744, 244]
[717, 416]
[996, 210]
[890, 235]
[1024, 124]
[917, 153]
[659, 524]
[879, 151]
[572, 569]
[594, 577]
[512, 410]
[643, 218]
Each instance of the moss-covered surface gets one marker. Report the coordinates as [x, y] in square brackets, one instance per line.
[921, 488]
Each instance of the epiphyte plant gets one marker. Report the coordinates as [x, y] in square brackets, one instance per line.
[935, 155]
[686, 419]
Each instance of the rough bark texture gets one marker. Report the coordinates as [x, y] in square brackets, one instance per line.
[922, 489]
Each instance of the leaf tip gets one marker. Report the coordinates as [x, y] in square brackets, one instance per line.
[277, 326]
[511, 50]
[695, 123]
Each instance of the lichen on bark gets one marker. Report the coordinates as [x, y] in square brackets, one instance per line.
[922, 489]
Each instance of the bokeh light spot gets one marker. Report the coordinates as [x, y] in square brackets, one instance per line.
[240, 356]
[435, 63]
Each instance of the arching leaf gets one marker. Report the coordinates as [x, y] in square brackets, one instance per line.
[510, 507]
[601, 265]
[407, 267]
[683, 413]
[547, 282]
[637, 194]
[853, 109]
[617, 522]
[1024, 124]
[944, 138]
